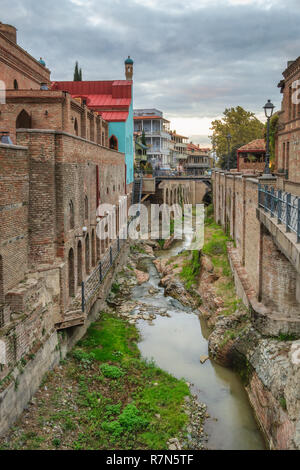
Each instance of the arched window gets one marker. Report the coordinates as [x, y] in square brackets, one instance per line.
[71, 215]
[86, 208]
[93, 249]
[79, 263]
[113, 143]
[16, 85]
[71, 273]
[98, 248]
[87, 254]
[76, 126]
[23, 120]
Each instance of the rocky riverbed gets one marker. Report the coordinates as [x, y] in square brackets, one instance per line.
[269, 367]
[134, 311]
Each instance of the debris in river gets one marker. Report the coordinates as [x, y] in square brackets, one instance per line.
[203, 359]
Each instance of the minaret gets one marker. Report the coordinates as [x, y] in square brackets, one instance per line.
[129, 68]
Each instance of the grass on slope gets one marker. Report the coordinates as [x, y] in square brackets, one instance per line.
[104, 396]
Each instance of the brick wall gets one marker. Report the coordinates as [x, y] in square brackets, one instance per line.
[265, 270]
[279, 279]
[17, 64]
[14, 200]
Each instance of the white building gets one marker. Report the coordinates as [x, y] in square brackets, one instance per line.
[158, 138]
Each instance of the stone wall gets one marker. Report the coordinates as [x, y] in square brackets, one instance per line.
[265, 267]
[24, 379]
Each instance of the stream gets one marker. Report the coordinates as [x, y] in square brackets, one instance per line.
[176, 344]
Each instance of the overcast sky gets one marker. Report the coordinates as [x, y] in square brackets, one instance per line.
[192, 58]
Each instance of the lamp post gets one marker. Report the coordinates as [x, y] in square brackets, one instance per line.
[269, 108]
[228, 137]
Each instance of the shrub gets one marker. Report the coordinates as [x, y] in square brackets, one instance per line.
[111, 372]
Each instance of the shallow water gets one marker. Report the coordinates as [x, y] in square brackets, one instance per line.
[176, 345]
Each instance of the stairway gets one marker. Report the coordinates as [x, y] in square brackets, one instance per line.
[137, 191]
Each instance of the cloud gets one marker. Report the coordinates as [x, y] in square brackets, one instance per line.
[192, 59]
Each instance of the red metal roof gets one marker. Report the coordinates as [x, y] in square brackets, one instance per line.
[110, 98]
[114, 116]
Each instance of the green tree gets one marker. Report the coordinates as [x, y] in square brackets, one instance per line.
[143, 138]
[273, 130]
[243, 127]
[77, 73]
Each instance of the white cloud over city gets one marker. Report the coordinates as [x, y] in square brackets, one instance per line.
[192, 59]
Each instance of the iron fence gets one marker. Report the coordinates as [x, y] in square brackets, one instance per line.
[90, 286]
[92, 283]
[284, 206]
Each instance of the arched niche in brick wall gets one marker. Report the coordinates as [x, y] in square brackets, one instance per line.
[86, 208]
[113, 143]
[23, 120]
[1, 281]
[76, 126]
[79, 263]
[71, 273]
[16, 85]
[93, 249]
[87, 254]
[71, 215]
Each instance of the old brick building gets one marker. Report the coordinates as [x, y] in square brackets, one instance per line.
[54, 172]
[288, 137]
[252, 156]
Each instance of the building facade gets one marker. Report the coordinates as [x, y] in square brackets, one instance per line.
[178, 150]
[158, 138]
[252, 156]
[288, 135]
[198, 160]
[113, 100]
[55, 170]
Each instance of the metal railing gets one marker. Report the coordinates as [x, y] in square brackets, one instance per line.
[91, 285]
[284, 206]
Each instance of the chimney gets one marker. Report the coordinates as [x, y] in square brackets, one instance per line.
[9, 31]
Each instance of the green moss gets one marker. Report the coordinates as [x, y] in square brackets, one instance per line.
[282, 402]
[191, 269]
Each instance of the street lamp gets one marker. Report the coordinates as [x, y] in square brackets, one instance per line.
[228, 137]
[269, 108]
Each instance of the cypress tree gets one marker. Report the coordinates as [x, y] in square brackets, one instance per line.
[77, 73]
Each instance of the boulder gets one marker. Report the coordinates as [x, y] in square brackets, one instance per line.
[141, 276]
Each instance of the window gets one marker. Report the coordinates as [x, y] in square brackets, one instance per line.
[87, 254]
[86, 208]
[71, 215]
[79, 263]
[113, 143]
[23, 120]
[71, 273]
[93, 249]
[1, 281]
[76, 126]
[16, 85]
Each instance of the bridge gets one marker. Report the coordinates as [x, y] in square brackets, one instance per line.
[176, 189]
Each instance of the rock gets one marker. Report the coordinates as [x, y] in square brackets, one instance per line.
[203, 359]
[172, 447]
[141, 276]
[207, 264]
[149, 250]
[157, 416]
[168, 242]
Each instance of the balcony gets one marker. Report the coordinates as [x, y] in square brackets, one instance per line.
[197, 165]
